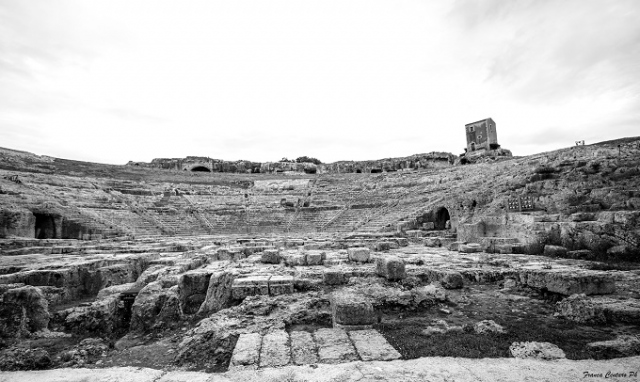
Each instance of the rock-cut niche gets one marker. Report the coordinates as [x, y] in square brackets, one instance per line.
[442, 215]
[45, 227]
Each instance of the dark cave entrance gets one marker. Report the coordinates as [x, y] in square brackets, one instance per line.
[200, 169]
[442, 215]
[45, 226]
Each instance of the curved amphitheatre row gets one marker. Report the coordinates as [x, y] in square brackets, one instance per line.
[160, 267]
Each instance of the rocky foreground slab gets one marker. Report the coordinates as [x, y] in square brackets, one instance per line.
[422, 369]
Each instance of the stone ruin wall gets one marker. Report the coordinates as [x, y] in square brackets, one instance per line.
[581, 197]
[418, 161]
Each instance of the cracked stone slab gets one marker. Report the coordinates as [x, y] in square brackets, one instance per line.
[275, 349]
[334, 346]
[280, 285]
[303, 348]
[372, 346]
[247, 351]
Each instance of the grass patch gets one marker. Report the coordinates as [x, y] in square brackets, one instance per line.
[570, 337]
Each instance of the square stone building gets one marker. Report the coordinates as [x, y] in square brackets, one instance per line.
[481, 134]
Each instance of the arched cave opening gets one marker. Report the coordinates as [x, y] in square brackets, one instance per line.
[358, 171]
[200, 169]
[442, 215]
[45, 227]
[376, 170]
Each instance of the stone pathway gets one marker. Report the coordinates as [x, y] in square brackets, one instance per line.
[279, 348]
[441, 369]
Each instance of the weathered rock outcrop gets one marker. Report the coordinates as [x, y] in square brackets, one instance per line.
[157, 306]
[23, 310]
[536, 350]
[103, 316]
[583, 309]
[218, 294]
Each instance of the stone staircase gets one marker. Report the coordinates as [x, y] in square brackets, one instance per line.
[280, 348]
[199, 214]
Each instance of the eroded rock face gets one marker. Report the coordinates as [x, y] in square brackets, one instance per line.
[583, 309]
[452, 280]
[580, 308]
[24, 359]
[587, 282]
[23, 310]
[88, 350]
[192, 288]
[218, 292]
[536, 350]
[103, 316]
[157, 305]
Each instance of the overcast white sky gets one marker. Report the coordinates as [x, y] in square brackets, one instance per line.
[112, 81]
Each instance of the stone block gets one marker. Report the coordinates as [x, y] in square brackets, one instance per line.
[247, 351]
[334, 346]
[303, 348]
[415, 233]
[296, 259]
[432, 242]
[382, 246]
[428, 226]
[334, 277]
[391, 268]
[555, 250]
[581, 254]
[250, 286]
[292, 243]
[351, 309]
[230, 253]
[402, 242]
[455, 246]
[470, 248]
[360, 254]
[280, 285]
[503, 248]
[314, 258]
[452, 280]
[271, 256]
[569, 282]
[372, 346]
[275, 349]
